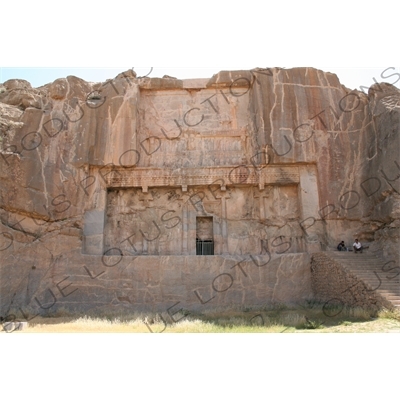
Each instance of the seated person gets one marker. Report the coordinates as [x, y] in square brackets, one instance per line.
[341, 246]
[357, 246]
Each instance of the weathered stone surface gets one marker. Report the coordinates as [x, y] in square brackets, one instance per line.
[74, 282]
[105, 185]
[336, 286]
[21, 98]
[58, 89]
[12, 84]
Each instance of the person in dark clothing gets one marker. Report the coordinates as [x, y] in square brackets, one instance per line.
[341, 246]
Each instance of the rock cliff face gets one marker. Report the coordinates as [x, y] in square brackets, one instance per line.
[121, 175]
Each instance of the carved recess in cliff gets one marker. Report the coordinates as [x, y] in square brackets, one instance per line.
[163, 221]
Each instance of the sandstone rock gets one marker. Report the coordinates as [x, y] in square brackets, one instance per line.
[70, 87]
[115, 186]
[9, 117]
[78, 88]
[17, 84]
[22, 98]
[58, 89]
[129, 74]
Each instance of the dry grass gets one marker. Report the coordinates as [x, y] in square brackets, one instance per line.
[390, 314]
[268, 320]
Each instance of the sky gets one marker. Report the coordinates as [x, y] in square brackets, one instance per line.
[353, 78]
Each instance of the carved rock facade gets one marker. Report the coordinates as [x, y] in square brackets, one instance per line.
[111, 192]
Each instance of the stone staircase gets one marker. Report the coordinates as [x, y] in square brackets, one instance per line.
[373, 272]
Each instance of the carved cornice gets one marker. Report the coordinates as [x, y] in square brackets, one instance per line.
[185, 177]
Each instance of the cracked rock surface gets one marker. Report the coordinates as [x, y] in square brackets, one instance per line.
[88, 171]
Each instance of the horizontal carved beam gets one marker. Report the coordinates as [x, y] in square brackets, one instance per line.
[184, 177]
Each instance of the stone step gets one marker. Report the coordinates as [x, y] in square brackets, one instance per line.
[372, 275]
[378, 268]
[375, 283]
[364, 266]
[358, 261]
[359, 258]
[371, 270]
[370, 267]
[352, 254]
[356, 255]
[385, 292]
[381, 274]
[389, 293]
[386, 287]
[373, 279]
[382, 286]
[392, 276]
[366, 263]
[391, 298]
[379, 265]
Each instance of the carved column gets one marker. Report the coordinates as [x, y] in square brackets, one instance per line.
[223, 195]
[262, 194]
[309, 199]
[185, 229]
[144, 198]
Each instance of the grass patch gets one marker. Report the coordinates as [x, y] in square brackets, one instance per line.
[307, 318]
[311, 324]
[389, 314]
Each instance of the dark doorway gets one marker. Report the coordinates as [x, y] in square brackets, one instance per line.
[204, 236]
